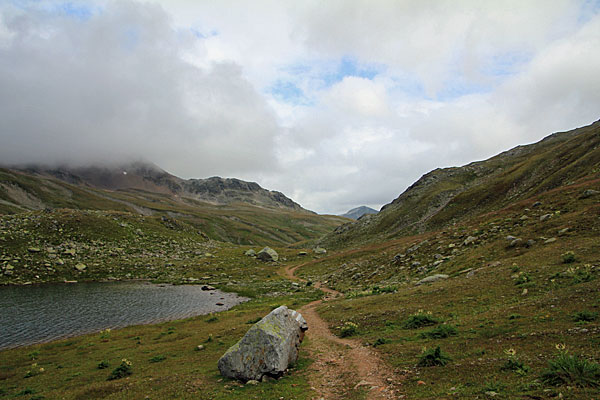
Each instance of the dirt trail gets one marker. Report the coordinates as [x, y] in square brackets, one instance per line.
[343, 365]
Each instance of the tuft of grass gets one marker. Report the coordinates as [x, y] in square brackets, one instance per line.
[253, 320]
[123, 370]
[512, 364]
[158, 358]
[419, 320]
[568, 257]
[433, 357]
[441, 332]
[568, 369]
[349, 329]
[380, 341]
[585, 316]
[103, 365]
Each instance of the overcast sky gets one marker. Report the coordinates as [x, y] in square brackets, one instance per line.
[336, 103]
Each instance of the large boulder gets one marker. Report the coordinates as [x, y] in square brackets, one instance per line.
[432, 278]
[268, 348]
[267, 254]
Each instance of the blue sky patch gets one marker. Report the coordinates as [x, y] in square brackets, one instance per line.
[288, 92]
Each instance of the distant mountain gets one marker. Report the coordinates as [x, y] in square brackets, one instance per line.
[222, 209]
[446, 196]
[151, 178]
[358, 212]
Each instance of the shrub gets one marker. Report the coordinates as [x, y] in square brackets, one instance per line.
[380, 341]
[568, 257]
[103, 365]
[440, 332]
[522, 279]
[513, 364]
[571, 370]
[123, 370]
[349, 329]
[433, 357]
[585, 316]
[419, 320]
[158, 358]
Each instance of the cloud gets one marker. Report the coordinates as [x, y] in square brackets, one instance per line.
[336, 104]
[117, 86]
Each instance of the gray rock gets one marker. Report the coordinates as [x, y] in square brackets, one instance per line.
[303, 253]
[510, 238]
[319, 250]
[469, 240]
[267, 254]
[80, 267]
[588, 193]
[250, 253]
[432, 278]
[551, 240]
[545, 217]
[537, 204]
[268, 348]
[515, 243]
[207, 287]
[563, 231]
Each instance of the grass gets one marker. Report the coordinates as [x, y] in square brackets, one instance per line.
[433, 357]
[568, 369]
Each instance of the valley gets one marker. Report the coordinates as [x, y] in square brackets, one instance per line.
[478, 281]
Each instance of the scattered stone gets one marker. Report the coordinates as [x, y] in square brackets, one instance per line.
[250, 253]
[220, 304]
[524, 292]
[491, 394]
[588, 193]
[530, 243]
[432, 278]
[319, 250]
[267, 254]
[34, 249]
[515, 243]
[563, 231]
[510, 238]
[252, 382]
[524, 217]
[80, 267]
[545, 217]
[268, 348]
[302, 253]
[537, 204]
[207, 287]
[200, 347]
[469, 240]
[551, 240]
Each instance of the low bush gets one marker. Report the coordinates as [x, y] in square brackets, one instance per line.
[348, 329]
[433, 357]
[440, 332]
[419, 320]
[585, 316]
[123, 370]
[568, 369]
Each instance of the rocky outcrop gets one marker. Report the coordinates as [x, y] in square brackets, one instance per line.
[268, 348]
[432, 278]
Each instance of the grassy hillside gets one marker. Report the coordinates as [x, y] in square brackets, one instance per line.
[239, 223]
[519, 280]
[446, 196]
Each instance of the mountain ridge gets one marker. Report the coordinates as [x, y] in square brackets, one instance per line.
[444, 196]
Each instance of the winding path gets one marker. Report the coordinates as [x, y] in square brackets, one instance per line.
[342, 366]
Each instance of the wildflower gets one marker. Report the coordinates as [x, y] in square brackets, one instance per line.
[42, 369]
[560, 346]
[510, 352]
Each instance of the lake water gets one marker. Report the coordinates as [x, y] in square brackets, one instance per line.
[41, 313]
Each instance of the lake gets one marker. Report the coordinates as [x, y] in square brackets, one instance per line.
[42, 313]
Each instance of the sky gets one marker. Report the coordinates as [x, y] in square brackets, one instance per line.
[336, 103]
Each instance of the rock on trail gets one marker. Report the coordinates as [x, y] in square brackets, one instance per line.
[268, 348]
